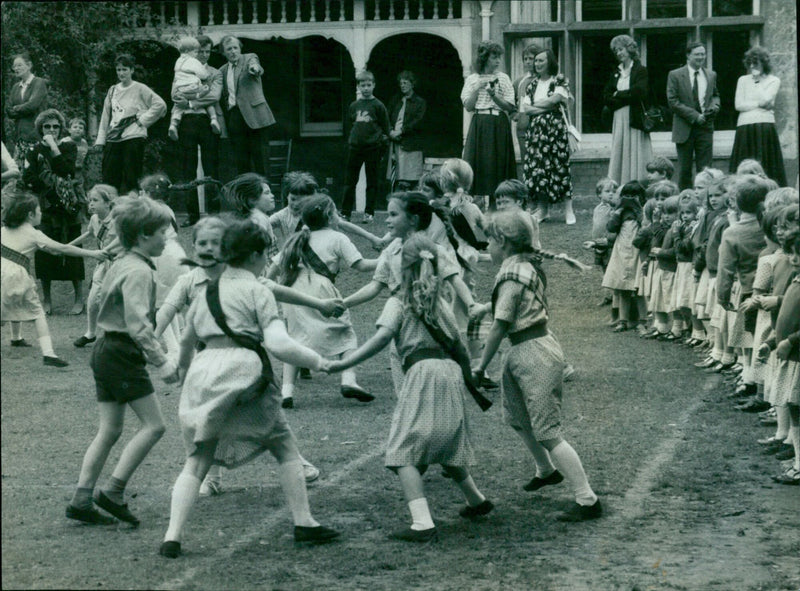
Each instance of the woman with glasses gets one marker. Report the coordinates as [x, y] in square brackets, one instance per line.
[47, 165]
[756, 136]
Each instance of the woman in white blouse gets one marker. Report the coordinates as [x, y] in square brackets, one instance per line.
[489, 148]
[756, 136]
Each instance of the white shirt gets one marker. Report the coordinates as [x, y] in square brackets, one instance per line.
[702, 84]
[231, 85]
[749, 94]
[24, 84]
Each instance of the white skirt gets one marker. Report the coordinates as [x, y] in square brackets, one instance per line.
[684, 288]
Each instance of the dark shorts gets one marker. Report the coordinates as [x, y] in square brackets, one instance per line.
[119, 369]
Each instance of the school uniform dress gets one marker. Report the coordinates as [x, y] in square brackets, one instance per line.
[664, 277]
[429, 424]
[786, 375]
[211, 406]
[329, 337]
[105, 232]
[533, 367]
[621, 270]
[713, 309]
[389, 272]
[19, 299]
[700, 242]
[264, 222]
[684, 287]
[644, 274]
[782, 277]
[763, 283]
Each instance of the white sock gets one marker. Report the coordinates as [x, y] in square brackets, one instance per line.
[472, 495]
[287, 390]
[214, 473]
[293, 484]
[46, 344]
[782, 414]
[349, 378]
[184, 495]
[728, 357]
[420, 514]
[569, 464]
[16, 331]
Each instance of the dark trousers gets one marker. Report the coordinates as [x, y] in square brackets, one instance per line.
[250, 146]
[699, 147]
[195, 130]
[123, 163]
[370, 157]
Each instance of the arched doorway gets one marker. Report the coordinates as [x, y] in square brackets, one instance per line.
[438, 68]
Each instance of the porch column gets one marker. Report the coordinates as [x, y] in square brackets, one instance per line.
[486, 19]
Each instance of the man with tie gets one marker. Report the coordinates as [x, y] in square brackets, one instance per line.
[693, 97]
[247, 114]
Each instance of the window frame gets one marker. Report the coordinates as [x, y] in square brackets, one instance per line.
[318, 129]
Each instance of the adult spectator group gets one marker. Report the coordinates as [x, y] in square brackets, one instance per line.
[130, 107]
[625, 95]
[247, 114]
[49, 164]
[406, 112]
[693, 97]
[27, 99]
[756, 136]
[195, 130]
[546, 159]
[489, 94]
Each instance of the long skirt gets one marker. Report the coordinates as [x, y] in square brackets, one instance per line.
[54, 267]
[546, 162]
[630, 149]
[489, 149]
[759, 141]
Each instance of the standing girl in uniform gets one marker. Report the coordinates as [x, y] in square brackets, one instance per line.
[19, 296]
[533, 367]
[230, 406]
[309, 263]
[429, 425]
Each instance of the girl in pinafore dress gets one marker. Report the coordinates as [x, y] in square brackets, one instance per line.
[533, 367]
[620, 274]
[309, 263]
[429, 425]
[230, 406]
[18, 294]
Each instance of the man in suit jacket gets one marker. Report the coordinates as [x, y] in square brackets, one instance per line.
[247, 114]
[27, 99]
[693, 97]
[195, 130]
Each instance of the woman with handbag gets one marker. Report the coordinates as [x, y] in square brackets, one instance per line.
[129, 109]
[625, 94]
[48, 171]
[547, 150]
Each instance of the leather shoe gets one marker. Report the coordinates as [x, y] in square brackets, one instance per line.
[82, 341]
[790, 477]
[120, 511]
[707, 362]
[287, 402]
[754, 406]
[357, 393]
[305, 373]
[314, 535]
[581, 512]
[90, 515]
[170, 549]
[786, 454]
[536, 483]
[20, 343]
[469, 512]
[414, 535]
[54, 361]
[775, 448]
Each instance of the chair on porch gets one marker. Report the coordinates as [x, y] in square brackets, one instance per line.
[280, 154]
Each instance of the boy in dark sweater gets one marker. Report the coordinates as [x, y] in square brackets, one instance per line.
[369, 135]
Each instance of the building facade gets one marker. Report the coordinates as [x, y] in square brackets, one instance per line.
[311, 50]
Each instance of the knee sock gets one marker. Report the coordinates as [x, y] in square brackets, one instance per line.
[747, 366]
[293, 484]
[184, 496]
[82, 499]
[46, 344]
[420, 514]
[569, 464]
[287, 390]
[349, 378]
[16, 331]
[471, 493]
[115, 489]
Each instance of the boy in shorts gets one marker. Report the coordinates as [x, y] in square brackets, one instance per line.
[126, 318]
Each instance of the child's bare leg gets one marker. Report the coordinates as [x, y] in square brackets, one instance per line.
[112, 419]
[414, 492]
[43, 332]
[287, 387]
[47, 304]
[78, 305]
[544, 465]
[464, 481]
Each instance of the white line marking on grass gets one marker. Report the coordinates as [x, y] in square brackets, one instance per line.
[250, 535]
[633, 502]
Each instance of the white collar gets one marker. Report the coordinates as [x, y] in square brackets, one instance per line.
[692, 70]
[28, 80]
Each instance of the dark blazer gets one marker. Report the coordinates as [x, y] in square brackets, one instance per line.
[411, 137]
[35, 102]
[634, 98]
[249, 92]
[679, 99]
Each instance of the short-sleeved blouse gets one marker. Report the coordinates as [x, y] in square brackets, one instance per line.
[504, 88]
[287, 221]
[335, 249]
[389, 269]
[25, 239]
[409, 332]
[515, 303]
[263, 221]
[249, 307]
[186, 289]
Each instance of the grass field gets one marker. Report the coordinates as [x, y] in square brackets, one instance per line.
[689, 503]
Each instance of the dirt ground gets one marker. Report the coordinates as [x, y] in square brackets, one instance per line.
[688, 497]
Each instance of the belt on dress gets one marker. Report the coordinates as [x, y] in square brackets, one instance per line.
[220, 342]
[421, 355]
[526, 334]
[16, 257]
[488, 111]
